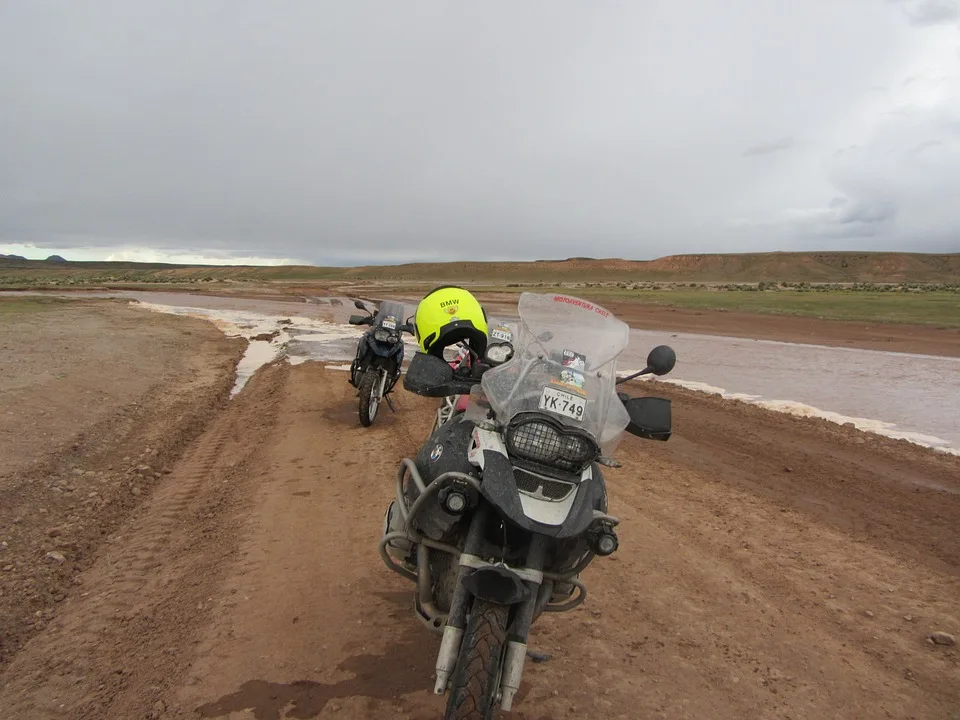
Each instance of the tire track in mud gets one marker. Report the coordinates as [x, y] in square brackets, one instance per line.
[323, 626]
[257, 592]
[119, 643]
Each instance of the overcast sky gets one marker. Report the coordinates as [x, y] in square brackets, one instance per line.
[351, 131]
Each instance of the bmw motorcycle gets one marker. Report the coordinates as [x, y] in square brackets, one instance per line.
[377, 366]
[505, 505]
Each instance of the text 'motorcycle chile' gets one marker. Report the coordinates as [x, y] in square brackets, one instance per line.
[505, 505]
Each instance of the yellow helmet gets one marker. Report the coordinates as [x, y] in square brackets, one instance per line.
[450, 314]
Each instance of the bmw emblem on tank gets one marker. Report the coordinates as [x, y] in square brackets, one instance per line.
[436, 453]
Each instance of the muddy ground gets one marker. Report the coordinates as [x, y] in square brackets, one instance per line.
[769, 566]
[97, 400]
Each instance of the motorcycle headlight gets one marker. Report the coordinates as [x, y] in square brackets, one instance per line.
[499, 353]
[550, 443]
[384, 336]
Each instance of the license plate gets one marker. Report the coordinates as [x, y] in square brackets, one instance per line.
[389, 325]
[502, 335]
[562, 403]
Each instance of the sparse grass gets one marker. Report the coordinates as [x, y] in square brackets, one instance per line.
[937, 308]
[930, 308]
[11, 307]
[940, 308]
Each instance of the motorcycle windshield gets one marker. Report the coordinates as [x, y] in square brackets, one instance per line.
[564, 364]
[390, 315]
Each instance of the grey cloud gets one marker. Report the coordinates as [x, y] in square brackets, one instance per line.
[926, 145]
[370, 129]
[930, 12]
[846, 150]
[866, 212]
[842, 218]
[765, 148]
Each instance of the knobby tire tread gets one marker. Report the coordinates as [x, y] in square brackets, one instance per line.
[474, 684]
[366, 387]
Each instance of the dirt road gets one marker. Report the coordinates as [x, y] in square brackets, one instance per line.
[96, 401]
[770, 567]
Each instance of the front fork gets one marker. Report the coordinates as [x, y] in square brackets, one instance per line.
[385, 380]
[515, 653]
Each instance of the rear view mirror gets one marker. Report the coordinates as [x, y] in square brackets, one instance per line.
[661, 360]
[431, 376]
[650, 418]
[358, 304]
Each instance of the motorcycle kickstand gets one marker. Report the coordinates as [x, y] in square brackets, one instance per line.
[389, 402]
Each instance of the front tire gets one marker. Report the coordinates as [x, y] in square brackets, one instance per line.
[369, 397]
[475, 682]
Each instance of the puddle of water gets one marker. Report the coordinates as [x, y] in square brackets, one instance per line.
[258, 354]
[297, 338]
[791, 407]
[893, 394]
[898, 395]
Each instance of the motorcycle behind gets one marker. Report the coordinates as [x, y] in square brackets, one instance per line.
[505, 504]
[377, 365]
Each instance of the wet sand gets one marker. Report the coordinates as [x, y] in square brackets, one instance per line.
[769, 567]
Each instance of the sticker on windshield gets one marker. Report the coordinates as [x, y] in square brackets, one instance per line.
[574, 360]
[562, 403]
[570, 380]
[389, 323]
[502, 332]
[573, 379]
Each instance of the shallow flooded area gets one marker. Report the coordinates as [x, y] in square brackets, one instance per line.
[914, 397]
[899, 395]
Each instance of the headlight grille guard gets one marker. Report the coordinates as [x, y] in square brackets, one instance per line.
[541, 439]
[385, 336]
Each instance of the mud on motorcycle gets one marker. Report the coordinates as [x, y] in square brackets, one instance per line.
[376, 368]
[505, 505]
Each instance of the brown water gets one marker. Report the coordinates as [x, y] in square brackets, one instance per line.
[916, 397]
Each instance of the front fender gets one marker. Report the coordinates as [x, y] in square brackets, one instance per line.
[496, 584]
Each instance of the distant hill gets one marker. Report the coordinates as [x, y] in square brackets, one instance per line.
[827, 267]
[19, 258]
[727, 267]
